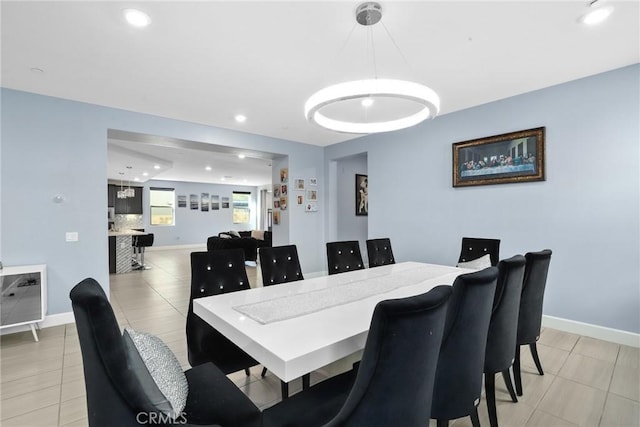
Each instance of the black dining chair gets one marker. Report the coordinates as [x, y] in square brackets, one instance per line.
[379, 252]
[115, 394]
[458, 383]
[474, 248]
[503, 327]
[214, 273]
[344, 256]
[393, 383]
[279, 264]
[530, 316]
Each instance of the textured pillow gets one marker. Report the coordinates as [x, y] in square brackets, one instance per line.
[158, 371]
[477, 264]
[257, 234]
[234, 233]
[224, 236]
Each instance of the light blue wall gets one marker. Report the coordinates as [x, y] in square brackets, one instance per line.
[587, 210]
[350, 226]
[195, 226]
[52, 146]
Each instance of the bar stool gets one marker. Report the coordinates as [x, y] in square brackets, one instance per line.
[139, 244]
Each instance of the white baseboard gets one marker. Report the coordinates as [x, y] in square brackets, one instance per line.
[48, 322]
[593, 331]
[199, 246]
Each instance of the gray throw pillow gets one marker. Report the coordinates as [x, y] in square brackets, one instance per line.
[158, 371]
[234, 233]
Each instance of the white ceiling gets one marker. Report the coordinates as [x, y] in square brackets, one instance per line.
[207, 61]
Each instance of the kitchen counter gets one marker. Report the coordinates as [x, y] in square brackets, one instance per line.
[126, 233]
[120, 250]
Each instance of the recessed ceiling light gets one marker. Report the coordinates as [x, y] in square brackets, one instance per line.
[208, 168]
[145, 173]
[222, 179]
[240, 118]
[596, 16]
[156, 166]
[136, 18]
[241, 156]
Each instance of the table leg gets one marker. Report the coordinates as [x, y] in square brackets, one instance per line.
[306, 380]
[284, 388]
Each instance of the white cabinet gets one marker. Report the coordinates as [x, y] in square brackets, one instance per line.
[24, 296]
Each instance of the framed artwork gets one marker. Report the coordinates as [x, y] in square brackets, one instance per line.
[283, 202]
[204, 202]
[284, 175]
[276, 217]
[500, 159]
[182, 201]
[362, 195]
[311, 207]
[194, 202]
[312, 195]
[300, 199]
[276, 204]
[225, 203]
[283, 189]
[215, 202]
[313, 182]
[276, 190]
[299, 184]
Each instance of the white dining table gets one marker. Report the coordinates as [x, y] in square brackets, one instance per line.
[295, 328]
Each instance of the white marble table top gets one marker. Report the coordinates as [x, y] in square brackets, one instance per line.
[298, 345]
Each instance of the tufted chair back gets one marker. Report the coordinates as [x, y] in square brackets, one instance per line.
[214, 273]
[280, 265]
[379, 252]
[344, 256]
[474, 248]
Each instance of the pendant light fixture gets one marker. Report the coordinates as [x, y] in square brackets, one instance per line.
[371, 105]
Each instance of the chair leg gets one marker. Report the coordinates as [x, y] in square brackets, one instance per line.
[475, 421]
[506, 375]
[536, 359]
[284, 389]
[517, 378]
[490, 394]
[264, 372]
[442, 423]
[247, 371]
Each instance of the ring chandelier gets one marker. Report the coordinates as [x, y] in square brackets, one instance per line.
[369, 91]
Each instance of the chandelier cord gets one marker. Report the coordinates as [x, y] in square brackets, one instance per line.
[395, 44]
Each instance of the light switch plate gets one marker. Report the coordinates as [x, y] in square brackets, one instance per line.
[71, 236]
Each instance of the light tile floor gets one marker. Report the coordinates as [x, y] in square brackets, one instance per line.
[587, 382]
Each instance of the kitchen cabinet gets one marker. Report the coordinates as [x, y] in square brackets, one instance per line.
[130, 205]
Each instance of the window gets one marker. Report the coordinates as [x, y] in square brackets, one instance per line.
[241, 211]
[162, 206]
